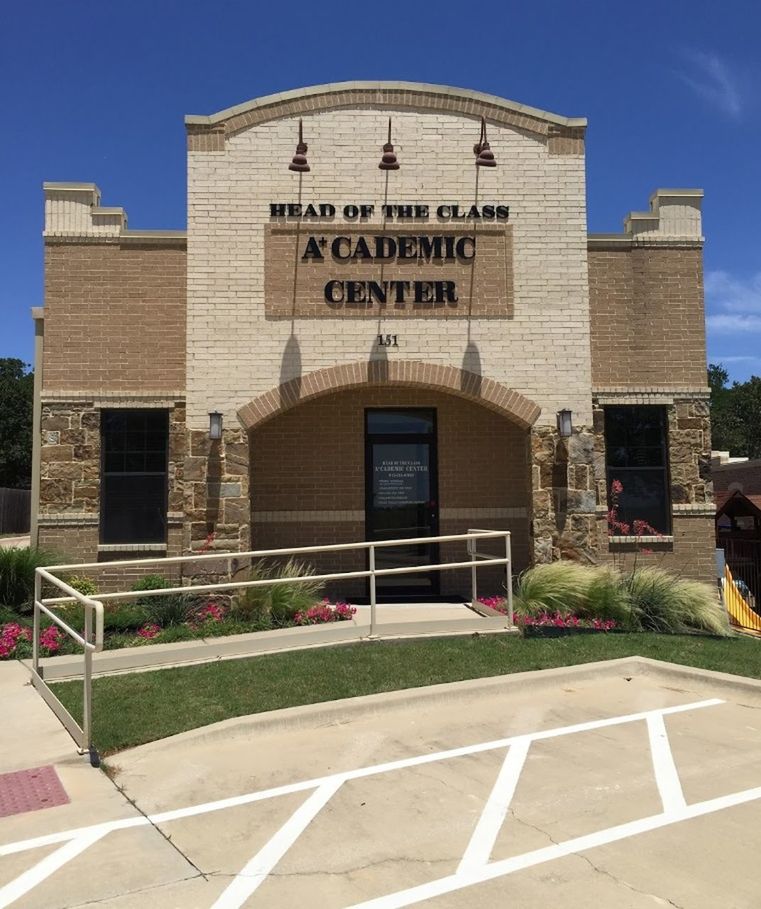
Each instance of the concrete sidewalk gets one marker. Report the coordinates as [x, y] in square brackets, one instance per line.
[394, 621]
[32, 737]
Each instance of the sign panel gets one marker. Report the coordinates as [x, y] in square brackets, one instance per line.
[316, 270]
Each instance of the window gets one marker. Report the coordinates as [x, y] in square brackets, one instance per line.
[134, 476]
[637, 471]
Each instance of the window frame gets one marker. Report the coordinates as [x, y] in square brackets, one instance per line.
[134, 473]
[619, 473]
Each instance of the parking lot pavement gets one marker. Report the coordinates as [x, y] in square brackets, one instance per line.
[625, 784]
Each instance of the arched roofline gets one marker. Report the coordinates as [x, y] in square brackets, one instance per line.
[414, 96]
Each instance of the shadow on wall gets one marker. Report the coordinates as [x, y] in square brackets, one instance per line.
[290, 368]
[213, 484]
[471, 364]
[377, 362]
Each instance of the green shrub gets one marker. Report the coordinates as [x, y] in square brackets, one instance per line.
[276, 605]
[17, 567]
[152, 582]
[171, 610]
[83, 584]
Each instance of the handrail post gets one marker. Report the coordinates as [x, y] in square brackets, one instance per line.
[373, 597]
[509, 577]
[471, 547]
[36, 623]
[87, 680]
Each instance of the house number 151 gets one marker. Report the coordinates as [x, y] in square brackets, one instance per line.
[388, 341]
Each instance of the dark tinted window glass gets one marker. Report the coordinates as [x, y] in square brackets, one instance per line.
[134, 476]
[636, 447]
[408, 421]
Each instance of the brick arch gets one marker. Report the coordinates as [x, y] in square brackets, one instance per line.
[405, 373]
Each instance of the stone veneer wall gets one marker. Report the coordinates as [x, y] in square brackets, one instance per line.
[217, 507]
[69, 513]
[563, 492]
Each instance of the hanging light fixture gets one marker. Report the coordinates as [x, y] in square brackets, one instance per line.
[482, 151]
[388, 161]
[215, 425]
[299, 162]
[565, 424]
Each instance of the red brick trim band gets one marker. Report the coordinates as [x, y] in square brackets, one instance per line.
[410, 373]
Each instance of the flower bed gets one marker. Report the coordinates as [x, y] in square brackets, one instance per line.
[126, 626]
[550, 624]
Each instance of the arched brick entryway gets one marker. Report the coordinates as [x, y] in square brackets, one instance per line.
[406, 373]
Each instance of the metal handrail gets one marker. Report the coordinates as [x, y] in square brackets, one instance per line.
[94, 608]
[90, 643]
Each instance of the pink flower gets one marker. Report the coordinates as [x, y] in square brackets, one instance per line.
[324, 612]
[211, 612]
[616, 487]
[148, 631]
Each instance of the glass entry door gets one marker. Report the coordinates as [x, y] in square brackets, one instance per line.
[401, 494]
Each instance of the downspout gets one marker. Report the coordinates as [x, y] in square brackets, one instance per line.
[39, 340]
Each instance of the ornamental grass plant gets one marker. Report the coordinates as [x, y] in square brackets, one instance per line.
[643, 599]
[17, 566]
[277, 604]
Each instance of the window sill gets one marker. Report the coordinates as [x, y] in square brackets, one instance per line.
[647, 541]
[132, 547]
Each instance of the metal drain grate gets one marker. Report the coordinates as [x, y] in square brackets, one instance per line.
[30, 790]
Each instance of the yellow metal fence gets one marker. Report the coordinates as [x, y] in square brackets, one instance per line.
[740, 613]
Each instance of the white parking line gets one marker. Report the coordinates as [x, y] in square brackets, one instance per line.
[493, 816]
[256, 871]
[473, 867]
[35, 875]
[666, 776]
[504, 867]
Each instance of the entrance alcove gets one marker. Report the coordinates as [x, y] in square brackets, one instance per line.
[387, 455]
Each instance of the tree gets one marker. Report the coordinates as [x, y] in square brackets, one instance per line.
[735, 414]
[16, 407]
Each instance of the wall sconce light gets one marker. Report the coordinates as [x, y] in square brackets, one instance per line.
[565, 423]
[299, 162]
[215, 425]
[388, 161]
[484, 154]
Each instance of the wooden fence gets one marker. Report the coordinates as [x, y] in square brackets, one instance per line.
[15, 506]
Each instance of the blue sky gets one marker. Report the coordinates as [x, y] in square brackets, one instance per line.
[96, 91]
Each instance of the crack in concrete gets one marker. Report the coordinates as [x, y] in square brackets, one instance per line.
[123, 792]
[148, 889]
[584, 857]
[346, 872]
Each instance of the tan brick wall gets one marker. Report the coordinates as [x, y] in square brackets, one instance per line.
[691, 555]
[647, 318]
[114, 317]
[311, 460]
[541, 350]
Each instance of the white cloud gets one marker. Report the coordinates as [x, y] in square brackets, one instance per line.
[717, 358]
[711, 79]
[730, 323]
[736, 295]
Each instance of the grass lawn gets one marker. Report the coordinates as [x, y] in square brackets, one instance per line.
[132, 709]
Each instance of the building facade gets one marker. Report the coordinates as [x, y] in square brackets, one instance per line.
[394, 323]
